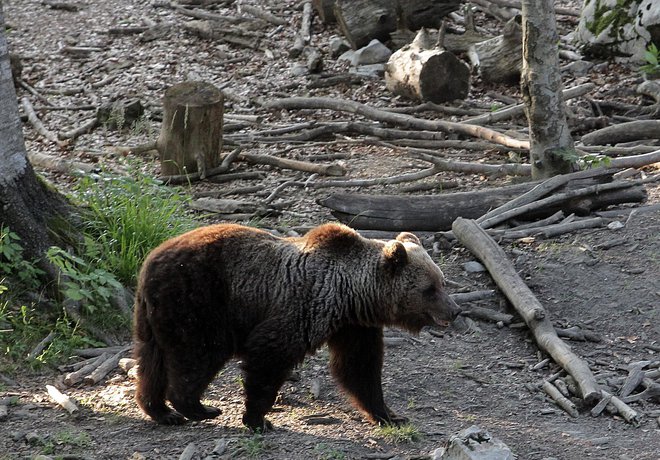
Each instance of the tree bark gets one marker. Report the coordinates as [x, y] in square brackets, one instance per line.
[364, 20]
[550, 138]
[499, 59]
[27, 206]
[425, 73]
[504, 273]
[191, 135]
[437, 212]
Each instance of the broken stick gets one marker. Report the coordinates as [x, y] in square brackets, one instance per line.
[505, 275]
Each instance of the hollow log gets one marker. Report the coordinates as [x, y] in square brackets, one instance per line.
[499, 60]
[361, 21]
[422, 72]
[191, 135]
[438, 212]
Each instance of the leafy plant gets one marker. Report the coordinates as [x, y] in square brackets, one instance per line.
[325, 452]
[401, 434]
[252, 447]
[652, 58]
[12, 263]
[594, 161]
[23, 327]
[93, 287]
[128, 218]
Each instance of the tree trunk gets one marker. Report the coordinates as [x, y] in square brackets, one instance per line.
[191, 135]
[551, 145]
[27, 206]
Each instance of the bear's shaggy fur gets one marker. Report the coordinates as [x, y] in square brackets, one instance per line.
[226, 291]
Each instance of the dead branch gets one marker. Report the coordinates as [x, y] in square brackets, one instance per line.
[624, 132]
[577, 333]
[560, 197]
[61, 399]
[625, 411]
[513, 169]
[519, 109]
[36, 351]
[317, 103]
[94, 352]
[304, 35]
[505, 275]
[543, 189]
[38, 125]
[464, 297]
[105, 367]
[636, 161]
[85, 128]
[217, 31]
[486, 314]
[58, 164]
[77, 376]
[263, 14]
[560, 399]
[285, 163]
[634, 379]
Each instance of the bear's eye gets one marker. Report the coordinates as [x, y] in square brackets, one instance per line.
[429, 291]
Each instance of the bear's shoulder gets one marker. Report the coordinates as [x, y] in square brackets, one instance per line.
[332, 237]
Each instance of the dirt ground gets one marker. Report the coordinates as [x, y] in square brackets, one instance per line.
[444, 382]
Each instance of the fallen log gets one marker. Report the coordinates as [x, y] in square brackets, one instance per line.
[437, 212]
[624, 132]
[361, 21]
[499, 59]
[423, 72]
[526, 304]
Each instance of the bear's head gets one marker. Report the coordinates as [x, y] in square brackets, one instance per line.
[418, 296]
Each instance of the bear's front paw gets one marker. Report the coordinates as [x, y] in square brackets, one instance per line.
[390, 418]
[170, 418]
[258, 424]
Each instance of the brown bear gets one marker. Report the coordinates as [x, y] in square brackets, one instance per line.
[226, 291]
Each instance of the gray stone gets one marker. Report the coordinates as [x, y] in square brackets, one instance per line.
[374, 53]
[578, 68]
[371, 70]
[338, 46]
[475, 443]
[473, 267]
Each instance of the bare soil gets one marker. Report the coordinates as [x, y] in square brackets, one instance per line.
[443, 382]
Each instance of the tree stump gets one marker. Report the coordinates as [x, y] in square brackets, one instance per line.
[423, 72]
[499, 60]
[191, 134]
[364, 20]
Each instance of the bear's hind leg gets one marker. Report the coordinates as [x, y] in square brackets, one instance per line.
[189, 378]
[356, 362]
[152, 385]
[269, 356]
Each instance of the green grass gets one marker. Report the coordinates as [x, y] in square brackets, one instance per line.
[401, 434]
[128, 217]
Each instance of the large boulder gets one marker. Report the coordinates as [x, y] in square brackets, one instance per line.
[620, 29]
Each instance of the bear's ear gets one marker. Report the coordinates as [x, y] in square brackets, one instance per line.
[395, 255]
[406, 237]
[332, 237]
